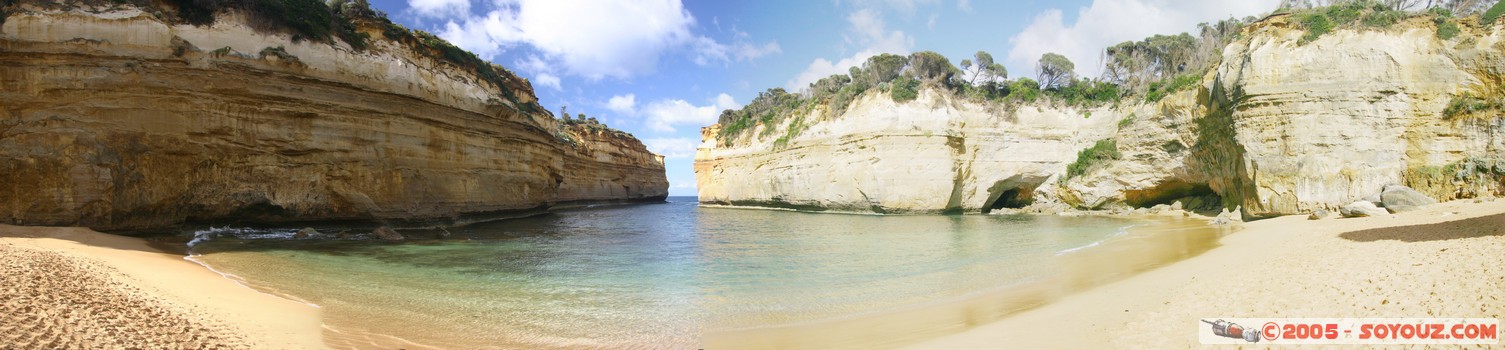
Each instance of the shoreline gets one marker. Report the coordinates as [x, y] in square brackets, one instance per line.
[126, 276]
[1117, 305]
[1154, 240]
[1281, 267]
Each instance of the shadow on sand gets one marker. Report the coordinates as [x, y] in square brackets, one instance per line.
[1493, 225]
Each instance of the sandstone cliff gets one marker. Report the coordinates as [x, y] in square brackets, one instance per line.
[935, 154]
[116, 118]
[1278, 127]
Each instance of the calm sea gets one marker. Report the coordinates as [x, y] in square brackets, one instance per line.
[674, 274]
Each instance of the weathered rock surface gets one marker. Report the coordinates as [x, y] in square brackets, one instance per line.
[306, 233]
[1401, 198]
[386, 233]
[933, 154]
[1278, 128]
[1361, 209]
[1318, 214]
[117, 120]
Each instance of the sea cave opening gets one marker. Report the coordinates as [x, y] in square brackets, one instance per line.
[1015, 192]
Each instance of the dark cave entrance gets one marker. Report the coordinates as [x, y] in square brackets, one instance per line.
[1015, 192]
[1195, 196]
[1010, 199]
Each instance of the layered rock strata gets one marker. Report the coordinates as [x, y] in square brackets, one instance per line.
[1278, 127]
[117, 119]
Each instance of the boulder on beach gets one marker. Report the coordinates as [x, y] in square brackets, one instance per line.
[1361, 209]
[1398, 198]
[1319, 214]
[306, 233]
[386, 233]
[1229, 217]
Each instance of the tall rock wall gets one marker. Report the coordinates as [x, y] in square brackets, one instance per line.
[116, 119]
[1276, 128]
[935, 154]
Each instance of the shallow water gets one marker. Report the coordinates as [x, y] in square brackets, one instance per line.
[678, 275]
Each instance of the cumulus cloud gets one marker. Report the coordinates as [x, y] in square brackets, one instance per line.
[547, 80]
[1109, 22]
[867, 30]
[663, 115]
[672, 148]
[624, 104]
[590, 38]
[440, 8]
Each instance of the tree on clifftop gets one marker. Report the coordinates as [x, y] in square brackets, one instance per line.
[983, 68]
[1054, 70]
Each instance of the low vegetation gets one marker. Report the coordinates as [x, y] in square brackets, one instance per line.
[1102, 151]
[1493, 13]
[1468, 105]
[1350, 14]
[1158, 90]
[1151, 69]
[1381, 15]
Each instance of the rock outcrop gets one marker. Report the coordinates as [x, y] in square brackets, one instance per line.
[118, 119]
[1401, 198]
[1360, 209]
[1277, 128]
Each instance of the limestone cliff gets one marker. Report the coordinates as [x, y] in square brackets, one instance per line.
[935, 154]
[115, 118]
[1278, 127]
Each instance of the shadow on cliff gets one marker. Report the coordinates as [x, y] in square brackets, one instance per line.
[1493, 225]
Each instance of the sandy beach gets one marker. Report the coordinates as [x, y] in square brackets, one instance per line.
[73, 288]
[1439, 261]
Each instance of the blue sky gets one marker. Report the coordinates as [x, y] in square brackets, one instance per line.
[661, 69]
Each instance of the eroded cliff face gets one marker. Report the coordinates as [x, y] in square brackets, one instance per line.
[114, 119]
[1276, 128]
[935, 154]
[1281, 128]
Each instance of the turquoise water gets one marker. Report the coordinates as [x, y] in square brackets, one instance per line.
[653, 275]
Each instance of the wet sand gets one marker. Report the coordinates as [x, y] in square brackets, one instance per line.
[73, 288]
[1439, 261]
[1160, 240]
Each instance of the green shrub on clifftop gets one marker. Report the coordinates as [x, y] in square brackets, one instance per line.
[1360, 13]
[904, 89]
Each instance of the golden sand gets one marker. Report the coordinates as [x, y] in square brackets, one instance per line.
[73, 288]
[1440, 261]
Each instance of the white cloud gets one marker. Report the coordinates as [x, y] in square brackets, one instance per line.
[624, 104]
[440, 8]
[1109, 22]
[746, 51]
[590, 38]
[964, 5]
[663, 115]
[866, 30]
[546, 79]
[679, 147]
